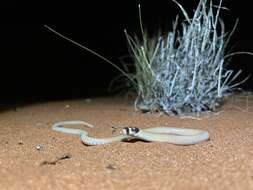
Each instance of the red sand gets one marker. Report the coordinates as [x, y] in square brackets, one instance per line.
[224, 162]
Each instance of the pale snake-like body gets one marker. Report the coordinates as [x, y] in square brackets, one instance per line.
[179, 136]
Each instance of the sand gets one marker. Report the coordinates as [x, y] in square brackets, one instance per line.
[32, 156]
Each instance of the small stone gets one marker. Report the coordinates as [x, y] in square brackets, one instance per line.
[111, 167]
[39, 147]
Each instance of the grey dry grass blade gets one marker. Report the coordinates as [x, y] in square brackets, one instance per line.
[237, 53]
[140, 20]
[183, 10]
[91, 51]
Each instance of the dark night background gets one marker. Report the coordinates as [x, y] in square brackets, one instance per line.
[38, 65]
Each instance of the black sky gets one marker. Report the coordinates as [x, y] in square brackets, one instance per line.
[38, 65]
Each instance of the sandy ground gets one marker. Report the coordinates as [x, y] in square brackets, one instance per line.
[32, 156]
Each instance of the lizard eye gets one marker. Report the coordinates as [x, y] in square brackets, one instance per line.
[134, 130]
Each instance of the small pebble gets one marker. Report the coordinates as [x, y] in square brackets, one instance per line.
[39, 147]
[110, 167]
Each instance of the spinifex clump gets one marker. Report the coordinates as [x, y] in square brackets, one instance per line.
[184, 71]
